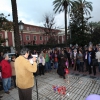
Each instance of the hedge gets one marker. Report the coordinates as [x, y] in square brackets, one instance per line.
[41, 47]
[34, 47]
[4, 49]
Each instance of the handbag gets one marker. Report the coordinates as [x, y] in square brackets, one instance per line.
[66, 70]
[95, 62]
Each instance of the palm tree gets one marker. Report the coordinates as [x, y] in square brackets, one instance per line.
[15, 26]
[60, 6]
[83, 7]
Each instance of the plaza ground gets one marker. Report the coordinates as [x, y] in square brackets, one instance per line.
[78, 86]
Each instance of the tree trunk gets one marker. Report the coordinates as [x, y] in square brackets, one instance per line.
[66, 27]
[15, 26]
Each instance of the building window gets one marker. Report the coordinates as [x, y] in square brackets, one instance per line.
[27, 28]
[41, 38]
[1, 35]
[46, 38]
[32, 29]
[40, 30]
[27, 37]
[34, 38]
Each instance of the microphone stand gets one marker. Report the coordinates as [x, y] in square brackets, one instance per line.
[36, 82]
[36, 87]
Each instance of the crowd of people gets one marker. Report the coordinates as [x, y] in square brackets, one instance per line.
[82, 59]
[20, 69]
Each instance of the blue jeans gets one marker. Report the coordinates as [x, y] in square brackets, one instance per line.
[50, 65]
[56, 65]
[6, 84]
[47, 66]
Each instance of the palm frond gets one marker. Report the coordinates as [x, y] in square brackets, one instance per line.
[59, 7]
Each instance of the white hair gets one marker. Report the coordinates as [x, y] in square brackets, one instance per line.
[5, 55]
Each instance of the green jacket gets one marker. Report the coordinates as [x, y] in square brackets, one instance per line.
[47, 58]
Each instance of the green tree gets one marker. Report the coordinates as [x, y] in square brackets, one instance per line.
[15, 25]
[2, 40]
[77, 33]
[94, 30]
[79, 23]
[95, 36]
[83, 7]
[5, 25]
[60, 6]
[93, 25]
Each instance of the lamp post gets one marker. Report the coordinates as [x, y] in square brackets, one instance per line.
[65, 5]
[21, 27]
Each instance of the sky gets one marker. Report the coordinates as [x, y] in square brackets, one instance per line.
[33, 11]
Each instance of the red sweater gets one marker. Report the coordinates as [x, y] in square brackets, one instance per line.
[6, 69]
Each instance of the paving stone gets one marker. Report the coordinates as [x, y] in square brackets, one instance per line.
[78, 87]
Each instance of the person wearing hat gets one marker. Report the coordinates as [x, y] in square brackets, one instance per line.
[98, 58]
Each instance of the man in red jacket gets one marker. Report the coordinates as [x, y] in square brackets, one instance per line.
[6, 73]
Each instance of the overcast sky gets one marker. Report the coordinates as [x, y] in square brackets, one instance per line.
[32, 11]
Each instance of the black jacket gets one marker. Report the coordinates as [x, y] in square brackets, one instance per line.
[92, 56]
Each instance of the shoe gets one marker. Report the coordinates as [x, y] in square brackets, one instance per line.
[7, 92]
[11, 88]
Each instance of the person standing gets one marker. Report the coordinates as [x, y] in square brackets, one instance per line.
[55, 57]
[61, 67]
[74, 58]
[81, 65]
[1, 58]
[98, 58]
[85, 60]
[6, 73]
[13, 70]
[90, 57]
[16, 54]
[41, 62]
[24, 74]
[47, 68]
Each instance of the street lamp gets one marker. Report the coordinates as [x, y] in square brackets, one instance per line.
[65, 5]
[21, 27]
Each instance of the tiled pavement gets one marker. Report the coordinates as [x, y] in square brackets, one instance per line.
[78, 87]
